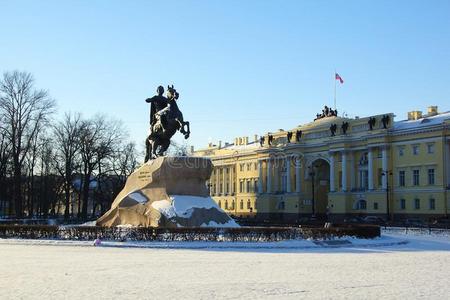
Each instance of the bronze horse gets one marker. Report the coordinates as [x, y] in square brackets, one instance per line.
[158, 141]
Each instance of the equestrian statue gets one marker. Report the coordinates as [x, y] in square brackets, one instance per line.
[165, 120]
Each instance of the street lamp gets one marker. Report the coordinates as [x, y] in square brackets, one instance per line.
[387, 173]
[312, 174]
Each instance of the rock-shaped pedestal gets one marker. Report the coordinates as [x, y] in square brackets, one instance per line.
[167, 192]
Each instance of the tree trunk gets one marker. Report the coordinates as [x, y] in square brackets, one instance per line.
[67, 201]
[17, 190]
[85, 186]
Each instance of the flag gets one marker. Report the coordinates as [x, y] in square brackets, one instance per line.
[337, 77]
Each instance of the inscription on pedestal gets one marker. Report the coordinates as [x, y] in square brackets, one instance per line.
[145, 176]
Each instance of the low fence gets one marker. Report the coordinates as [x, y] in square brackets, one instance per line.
[244, 234]
[417, 230]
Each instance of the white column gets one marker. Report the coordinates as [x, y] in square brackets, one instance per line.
[370, 168]
[217, 181]
[332, 186]
[297, 175]
[352, 171]
[230, 179]
[269, 176]
[384, 165]
[344, 171]
[276, 175]
[260, 177]
[288, 174]
[224, 179]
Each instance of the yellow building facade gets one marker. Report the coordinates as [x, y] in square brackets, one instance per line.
[337, 167]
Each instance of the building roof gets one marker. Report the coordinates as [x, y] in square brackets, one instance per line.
[250, 145]
[422, 122]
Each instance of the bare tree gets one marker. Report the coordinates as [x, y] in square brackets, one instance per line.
[30, 164]
[49, 182]
[23, 110]
[124, 162]
[99, 138]
[179, 149]
[67, 144]
[5, 153]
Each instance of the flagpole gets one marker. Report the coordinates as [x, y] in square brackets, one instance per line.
[334, 89]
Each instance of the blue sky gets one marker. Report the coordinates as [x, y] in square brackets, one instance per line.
[241, 67]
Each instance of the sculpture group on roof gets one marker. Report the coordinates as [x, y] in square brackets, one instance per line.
[326, 112]
[289, 135]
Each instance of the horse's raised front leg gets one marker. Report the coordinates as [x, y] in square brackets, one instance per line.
[185, 132]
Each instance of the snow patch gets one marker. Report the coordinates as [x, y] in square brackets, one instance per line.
[164, 207]
[90, 223]
[138, 197]
[229, 224]
[183, 206]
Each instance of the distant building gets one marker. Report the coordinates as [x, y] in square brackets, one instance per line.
[355, 166]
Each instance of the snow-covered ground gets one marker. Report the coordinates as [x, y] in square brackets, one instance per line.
[394, 266]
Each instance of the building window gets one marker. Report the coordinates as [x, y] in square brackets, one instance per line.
[255, 166]
[340, 179]
[363, 179]
[379, 153]
[281, 205]
[295, 180]
[430, 148]
[415, 149]
[402, 204]
[401, 178]
[241, 167]
[283, 183]
[220, 204]
[401, 151]
[362, 204]
[416, 179]
[380, 177]
[432, 204]
[249, 204]
[226, 204]
[375, 205]
[248, 186]
[241, 205]
[431, 176]
[241, 186]
[417, 203]
[232, 205]
[363, 159]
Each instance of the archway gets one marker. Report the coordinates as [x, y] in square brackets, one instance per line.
[319, 174]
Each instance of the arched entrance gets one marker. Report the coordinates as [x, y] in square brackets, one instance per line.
[319, 175]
